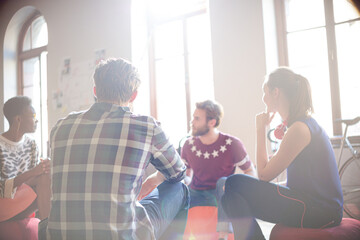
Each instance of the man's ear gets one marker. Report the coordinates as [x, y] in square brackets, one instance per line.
[133, 96]
[94, 90]
[211, 123]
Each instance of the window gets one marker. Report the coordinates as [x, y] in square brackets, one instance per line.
[32, 77]
[180, 62]
[323, 46]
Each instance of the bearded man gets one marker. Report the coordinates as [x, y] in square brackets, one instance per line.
[211, 156]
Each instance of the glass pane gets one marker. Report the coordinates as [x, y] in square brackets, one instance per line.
[39, 32]
[200, 59]
[29, 92]
[347, 40]
[27, 40]
[44, 112]
[344, 10]
[31, 72]
[162, 9]
[304, 14]
[308, 57]
[31, 76]
[171, 100]
[169, 40]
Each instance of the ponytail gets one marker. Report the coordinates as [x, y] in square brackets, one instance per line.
[296, 89]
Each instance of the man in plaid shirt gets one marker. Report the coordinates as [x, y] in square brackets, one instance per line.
[99, 158]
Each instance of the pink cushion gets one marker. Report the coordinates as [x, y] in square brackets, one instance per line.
[10, 207]
[349, 229]
[25, 229]
[201, 224]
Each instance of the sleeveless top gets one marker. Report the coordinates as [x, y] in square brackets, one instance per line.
[314, 171]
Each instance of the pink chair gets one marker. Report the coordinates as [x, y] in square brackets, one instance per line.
[349, 229]
[201, 224]
[25, 229]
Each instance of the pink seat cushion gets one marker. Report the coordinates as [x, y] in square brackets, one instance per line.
[10, 207]
[349, 229]
[25, 229]
[201, 224]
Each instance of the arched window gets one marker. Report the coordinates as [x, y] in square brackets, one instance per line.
[32, 77]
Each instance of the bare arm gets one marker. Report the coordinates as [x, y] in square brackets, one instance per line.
[295, 140]
[150, 183]
[43, 167]
[189, 176]
[249, 171]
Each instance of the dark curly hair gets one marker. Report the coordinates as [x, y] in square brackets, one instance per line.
[15, 106]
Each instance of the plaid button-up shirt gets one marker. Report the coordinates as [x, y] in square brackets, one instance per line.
[98, 161]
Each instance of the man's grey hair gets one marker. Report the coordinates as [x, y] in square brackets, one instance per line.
[115, 80]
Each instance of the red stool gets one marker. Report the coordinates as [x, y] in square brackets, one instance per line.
[25, 229]
[349, 229]
[201, 224]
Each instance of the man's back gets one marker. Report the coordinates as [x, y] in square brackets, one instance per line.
[99, 157]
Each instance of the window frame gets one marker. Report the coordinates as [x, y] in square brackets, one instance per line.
[25, 55]
[280, 19]
[152, 24]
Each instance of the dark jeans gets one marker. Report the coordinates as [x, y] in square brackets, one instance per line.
[247, 198]
[212, 197]
[167, 207]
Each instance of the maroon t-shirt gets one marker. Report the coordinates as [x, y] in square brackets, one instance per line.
[211, 162]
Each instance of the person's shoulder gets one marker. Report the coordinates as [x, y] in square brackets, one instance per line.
[69, 119]
[229, 138]
[144, 119]
[2, 139]
[299, 130]
[71, 116]
[304, 123]
[191, 140]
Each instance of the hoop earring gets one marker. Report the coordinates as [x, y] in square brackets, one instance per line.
[17, 131]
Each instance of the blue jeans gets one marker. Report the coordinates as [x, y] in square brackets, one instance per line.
[167, 207]
[247, 198]
[212, 197]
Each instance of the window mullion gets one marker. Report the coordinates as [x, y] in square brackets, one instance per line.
[281, 32]
[187, 77]
[333, 66]
[41, 107]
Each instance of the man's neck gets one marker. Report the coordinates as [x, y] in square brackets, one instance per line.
[121, 104]
[210, 137]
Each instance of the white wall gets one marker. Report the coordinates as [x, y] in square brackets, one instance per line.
[239, 65]
[76, 29]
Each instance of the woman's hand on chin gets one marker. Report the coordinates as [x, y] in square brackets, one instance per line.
[263, 119]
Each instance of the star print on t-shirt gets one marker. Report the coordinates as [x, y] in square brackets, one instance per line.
[215, 153]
